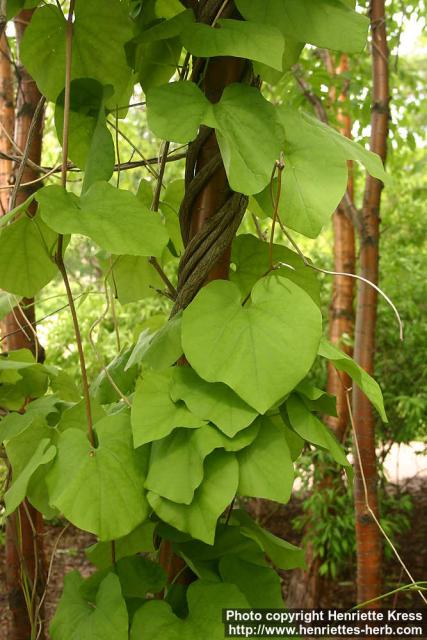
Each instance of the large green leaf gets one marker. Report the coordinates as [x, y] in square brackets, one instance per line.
[205, 604]
[211, 401]
[176, 462]
[210, 499]
[165, 348]
[343, 362]
[137, 541]
[283, 554]
[237, 38]
[78, 619]
[91, 145]
[251, 258]
[331, 24]
[258, 582]
[113, 218]
[243, 119]
[99, 490]
[316, 171]
[43, 454]
[310, 428]
[265, 467]
[26, 248]
[100, 33]
[261, 350]
[154, 414]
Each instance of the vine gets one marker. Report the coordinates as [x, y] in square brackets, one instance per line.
[153, 453]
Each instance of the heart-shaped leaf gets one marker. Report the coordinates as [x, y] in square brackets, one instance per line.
[261, 350]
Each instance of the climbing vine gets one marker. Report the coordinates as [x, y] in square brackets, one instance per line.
[215, 406]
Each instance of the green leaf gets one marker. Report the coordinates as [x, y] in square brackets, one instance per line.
[139, 576]
[243, 119]
[210, 499]
[310, 428]
[137, 541]
[102, 389]
[154, 414]
[252, 260]
[165, 348]
[343, 362]
[99, 490]
[176, 110]
[206, 601]
[17, 491]
[184, 451]
[258, 582]
[329, 24]
[317, 399]
[316, 171]
[26, 265]
[265, 467]
[100, 33]
[260, 350]
[78, 619]
[134, 278]
[283, 554]
[156, 62]
[136, 231]
[237, 38]
[91, 145]
[211, 401]
[248, 137]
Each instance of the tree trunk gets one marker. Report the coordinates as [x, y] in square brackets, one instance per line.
[368, 536]
[24, 548]
[307, 587]
[220, 72]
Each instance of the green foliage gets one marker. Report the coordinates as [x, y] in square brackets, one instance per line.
[233, 422]
[265, 351]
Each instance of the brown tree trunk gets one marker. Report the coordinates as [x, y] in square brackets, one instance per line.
[307, 587]
[24, 549]
[368, 536]
[220, 72]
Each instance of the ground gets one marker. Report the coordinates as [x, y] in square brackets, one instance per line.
[70, 555]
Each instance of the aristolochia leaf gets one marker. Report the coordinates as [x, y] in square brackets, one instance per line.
[260, 350]
[343, 362]
[100, 33]
[211, 401]
[136, 231]
[265, 467]
[176, 462]
[237, 38]
[154, 414]
[324, 23]
[99, 490]
[26, 265]
[310, 428]
[210, 499]
[79, 619]
[243, 119]
[43, 454]
[134, 278]
[316, 171]
[206, 601]
[251, 258]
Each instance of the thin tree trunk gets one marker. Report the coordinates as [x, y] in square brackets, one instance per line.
[369, 556]
[24, 549]
[307, 587]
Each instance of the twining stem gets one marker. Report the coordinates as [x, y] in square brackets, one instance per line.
[59, 258]
[279, 166]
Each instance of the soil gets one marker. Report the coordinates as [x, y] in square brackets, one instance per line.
[69, 555]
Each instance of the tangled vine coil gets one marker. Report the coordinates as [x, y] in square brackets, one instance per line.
[203, 250]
